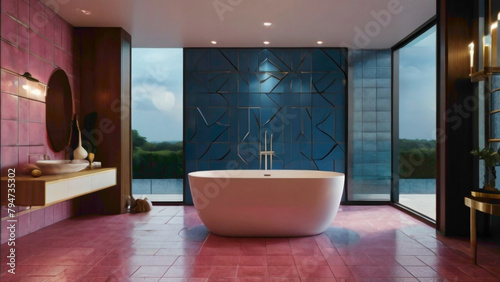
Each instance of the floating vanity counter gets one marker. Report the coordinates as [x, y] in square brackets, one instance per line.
[51, 189]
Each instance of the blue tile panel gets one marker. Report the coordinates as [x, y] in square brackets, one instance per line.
[495, 106]
[371, 124]
[233, 96]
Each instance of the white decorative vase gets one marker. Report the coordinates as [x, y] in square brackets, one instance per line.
[79, 153]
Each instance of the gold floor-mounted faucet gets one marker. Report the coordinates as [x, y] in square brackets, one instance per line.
[266, 153]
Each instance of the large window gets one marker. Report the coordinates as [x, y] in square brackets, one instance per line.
[157, 110]
[415, 140]
[371, 126]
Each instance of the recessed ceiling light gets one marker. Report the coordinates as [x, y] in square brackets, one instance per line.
[266, 42]
[85, 12]
[213, 42]
[268, 23]
[320, 42]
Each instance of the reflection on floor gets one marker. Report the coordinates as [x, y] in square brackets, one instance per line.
[170, 243]
[158, 190]
[157, 186]
[422, 203]
[161, 197]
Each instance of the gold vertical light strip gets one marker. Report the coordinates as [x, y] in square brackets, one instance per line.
[471, 55]
[497, 35]
[494, 43]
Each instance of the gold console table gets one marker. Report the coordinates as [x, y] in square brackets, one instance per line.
[483, 202]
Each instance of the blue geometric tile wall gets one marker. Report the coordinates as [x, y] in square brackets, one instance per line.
[233, 96]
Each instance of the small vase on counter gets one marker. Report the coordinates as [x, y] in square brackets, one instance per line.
[79, 153]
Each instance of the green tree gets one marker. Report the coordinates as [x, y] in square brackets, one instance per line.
[156, 160]
[417, 158]
[137, 139]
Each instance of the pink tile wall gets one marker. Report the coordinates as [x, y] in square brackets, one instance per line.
[33, 39]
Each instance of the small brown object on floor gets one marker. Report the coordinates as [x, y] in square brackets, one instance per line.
[141, 205]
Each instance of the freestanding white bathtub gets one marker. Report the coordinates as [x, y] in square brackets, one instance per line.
[266, 203]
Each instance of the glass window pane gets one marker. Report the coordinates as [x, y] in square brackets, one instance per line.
[417, 123]
[371, 127]
[157, 111]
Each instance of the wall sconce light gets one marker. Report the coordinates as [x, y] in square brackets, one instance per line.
[29, 86]
[33, 88]
[29, 77]
[471, 54]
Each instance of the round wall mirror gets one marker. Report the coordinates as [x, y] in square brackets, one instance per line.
[59, 110]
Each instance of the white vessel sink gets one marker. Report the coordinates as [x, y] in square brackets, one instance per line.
[61, 166]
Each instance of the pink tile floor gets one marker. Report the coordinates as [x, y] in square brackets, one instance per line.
[365, 243]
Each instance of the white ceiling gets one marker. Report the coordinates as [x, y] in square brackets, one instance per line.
[239, 23]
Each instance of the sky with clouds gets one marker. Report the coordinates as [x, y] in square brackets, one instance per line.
[157, 93]
[417, 88]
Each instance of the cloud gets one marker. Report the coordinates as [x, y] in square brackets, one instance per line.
[165, 101]
[154, 55]
[417, 88]
[157, 93]
[162, 99]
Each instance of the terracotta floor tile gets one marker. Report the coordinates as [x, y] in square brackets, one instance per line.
[475, 271]
[76, 271]
[310, 260]
[280, 260]
[152, 260]
[180, 251]
[394, 271]
[125, 271]
[358, 260]
[41, 260]
[452, 273]
[101, 271]
[127, 252]
[253, 260]
[228, 251]
[329, 252]
[289, 271]
[389, 280]
[278, 247]
[372, 271]
[114, 261]
[314, 271]
[335, 260]
[158, 246]
[325, 280]
[188, 272]
[409, 260]
[384, 260]
[166, 279]
[253, 250]
[423, 272]
[341, 271]
[305, 250]
[217, 260]
[81, 252]
[150, 271]
[223, 272]
[252, 271]
[79, 260]
[289, 279]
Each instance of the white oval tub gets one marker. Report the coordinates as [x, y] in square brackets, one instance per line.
[266, 203]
